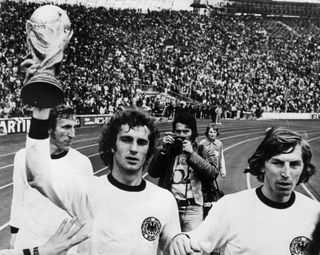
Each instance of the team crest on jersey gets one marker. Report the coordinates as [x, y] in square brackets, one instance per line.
[150, 228]
[300, 245]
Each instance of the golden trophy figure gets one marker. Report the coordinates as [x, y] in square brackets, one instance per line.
[48, 34]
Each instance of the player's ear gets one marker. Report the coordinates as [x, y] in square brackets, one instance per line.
[263, 170]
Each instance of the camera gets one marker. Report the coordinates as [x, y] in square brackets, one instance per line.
[178, 140]
[177, 144]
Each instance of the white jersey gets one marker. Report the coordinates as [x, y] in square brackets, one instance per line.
[36, 217]
[123, 220]
[248, 223]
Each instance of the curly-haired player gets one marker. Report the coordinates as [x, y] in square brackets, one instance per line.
[127, 214]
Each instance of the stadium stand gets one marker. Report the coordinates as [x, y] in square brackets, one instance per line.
[121, 57]
[269, 7]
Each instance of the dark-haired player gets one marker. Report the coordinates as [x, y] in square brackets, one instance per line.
[127, 214]
[271, 219]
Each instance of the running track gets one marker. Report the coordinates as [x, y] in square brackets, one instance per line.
[240, 138]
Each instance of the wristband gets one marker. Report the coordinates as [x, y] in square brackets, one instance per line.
[26, 252]
[14, 230]
[39, 129]
[36, 251]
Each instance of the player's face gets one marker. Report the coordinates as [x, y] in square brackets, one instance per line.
[63, 135]
[282, 172]
[183, 130]
[132, 147]
[212, 134]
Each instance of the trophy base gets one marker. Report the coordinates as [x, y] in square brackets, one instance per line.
[42, 91]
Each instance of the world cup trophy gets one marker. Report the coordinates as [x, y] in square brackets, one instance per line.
[48, 34]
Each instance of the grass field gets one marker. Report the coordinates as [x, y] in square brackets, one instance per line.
[240, 138]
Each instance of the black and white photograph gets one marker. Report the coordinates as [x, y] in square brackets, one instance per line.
[159, 127]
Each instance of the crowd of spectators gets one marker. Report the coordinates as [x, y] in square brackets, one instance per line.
[236, 63]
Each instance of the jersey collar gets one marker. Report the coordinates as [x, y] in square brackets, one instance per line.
[125, 187]
[60, 155]
[274, 204]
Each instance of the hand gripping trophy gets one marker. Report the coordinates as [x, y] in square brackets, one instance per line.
[48, 34]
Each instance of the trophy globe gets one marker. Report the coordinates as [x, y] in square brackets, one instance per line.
[48, 34]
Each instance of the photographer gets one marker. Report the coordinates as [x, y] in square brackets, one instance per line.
[181, 169]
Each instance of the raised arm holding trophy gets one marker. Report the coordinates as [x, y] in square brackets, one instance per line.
[48, 34]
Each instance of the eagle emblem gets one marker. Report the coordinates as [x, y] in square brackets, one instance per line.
[150, 228]
[300, 245]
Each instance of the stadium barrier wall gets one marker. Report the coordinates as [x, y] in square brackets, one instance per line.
[290, 116]
[21, 125]
[15, 125]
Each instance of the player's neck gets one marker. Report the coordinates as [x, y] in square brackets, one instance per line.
[56, 151]
[273, 197]
[125, 187]
[132, 179]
